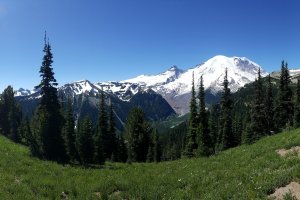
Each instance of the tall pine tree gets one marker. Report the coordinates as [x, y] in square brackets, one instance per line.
[269, 107]
[69, 132]
[103, 149]
[284, 107]
[121, 155]
[226, 137]
[156, 147]
[257, 127]
[203, 137]
[112, 130]
[48, 117]
[25, 132]
[213, 124]
[10, 115]
[138, 132]
[84, 141]
[191, 143]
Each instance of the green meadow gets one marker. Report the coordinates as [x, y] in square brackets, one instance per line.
[245, 172]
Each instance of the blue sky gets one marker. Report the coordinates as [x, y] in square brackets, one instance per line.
[102, 40]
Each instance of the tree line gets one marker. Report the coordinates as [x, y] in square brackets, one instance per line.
[221, 127]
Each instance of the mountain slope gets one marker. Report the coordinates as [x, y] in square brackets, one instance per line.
[245, 172]
[85, 99]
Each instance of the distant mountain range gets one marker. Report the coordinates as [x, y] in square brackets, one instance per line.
[171, 89]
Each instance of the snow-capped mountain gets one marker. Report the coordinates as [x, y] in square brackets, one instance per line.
[240, 72]
[156, 80]
[24, 92]
[123, 91]
[294, 72]
[79, 87]
[174, 84]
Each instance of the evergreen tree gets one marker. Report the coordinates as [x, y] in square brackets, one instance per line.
[156, 147]
[214, 126]
[269, 107]
[121, 149]
[150, 156]
[284, 107]
[191, 144]
[154, 150]
[25, 132]
[257, 127]
[226, 137]
[48, 113]
[138, 132]
[237, 130]
[112, 130]
[84, 141]
[297, 106]
[103, 138]
[203, 137]
[245, 126]
[69, 132]
[39, 125]
[10, 115]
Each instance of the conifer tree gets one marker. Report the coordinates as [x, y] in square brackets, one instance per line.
[48, 114]
[103, 127]
[245, 126]
[112, 130]
[25, 132]
[69, 132]
[102, 139]
[154, 150]
[226, 137]
[150, 156]
[10, 115]
[203, 137]
[297, 106]
[257, 127]
[284, 105]
[269, 107]
[39, 124]
[237, 130]
[121, 149]
[156, 147]
[214, 126]
[191, 143]
[138, 132]
[84, 141]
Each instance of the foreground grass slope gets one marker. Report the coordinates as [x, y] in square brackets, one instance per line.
[245, 172]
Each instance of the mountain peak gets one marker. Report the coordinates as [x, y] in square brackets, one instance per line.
[155, 80]
[80, 87]
[84, 81]
[173, 68]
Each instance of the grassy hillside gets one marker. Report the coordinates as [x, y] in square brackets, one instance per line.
[245, 172]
